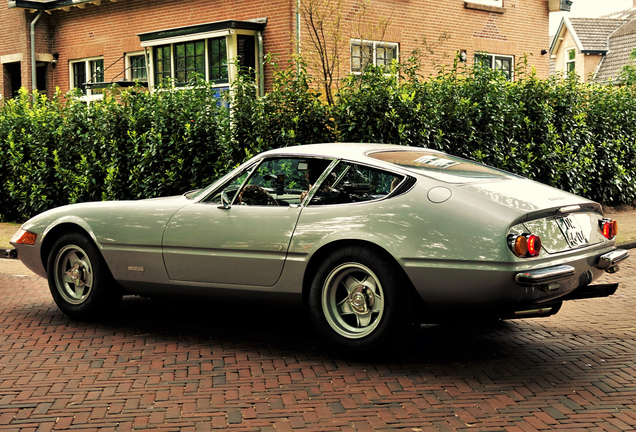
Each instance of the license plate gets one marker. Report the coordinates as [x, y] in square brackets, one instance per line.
[572, 231]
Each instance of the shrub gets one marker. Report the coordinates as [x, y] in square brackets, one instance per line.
[135, 144]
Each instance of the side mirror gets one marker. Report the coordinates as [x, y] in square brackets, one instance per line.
[225, 201]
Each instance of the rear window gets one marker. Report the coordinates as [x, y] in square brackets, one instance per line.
[447, 168]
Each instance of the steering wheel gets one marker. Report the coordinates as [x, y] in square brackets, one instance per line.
[256, 195]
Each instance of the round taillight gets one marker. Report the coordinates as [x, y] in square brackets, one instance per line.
[525, 245]
[534, 245]
[520, 246]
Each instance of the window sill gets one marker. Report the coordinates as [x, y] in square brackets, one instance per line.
[483, 7]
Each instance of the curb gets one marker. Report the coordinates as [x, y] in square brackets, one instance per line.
[629, 244]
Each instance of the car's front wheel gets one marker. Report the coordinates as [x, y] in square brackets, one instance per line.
[360, 301]
[79, 280]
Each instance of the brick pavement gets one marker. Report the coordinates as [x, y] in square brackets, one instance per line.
[161, 366]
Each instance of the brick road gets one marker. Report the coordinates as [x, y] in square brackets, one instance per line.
[158, 365]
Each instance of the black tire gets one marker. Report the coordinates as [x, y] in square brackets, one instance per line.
[79, 280]
[360, 301]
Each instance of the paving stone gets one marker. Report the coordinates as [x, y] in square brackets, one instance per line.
[156, 366]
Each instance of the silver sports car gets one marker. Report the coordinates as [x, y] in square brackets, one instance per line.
[374, 239]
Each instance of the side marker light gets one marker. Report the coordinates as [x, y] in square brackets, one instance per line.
[24, 237]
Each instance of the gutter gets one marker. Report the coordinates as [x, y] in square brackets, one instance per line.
[34, 81]
[261, 69]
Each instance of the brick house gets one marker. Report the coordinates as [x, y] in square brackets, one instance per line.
[78, 43]
[595, 48]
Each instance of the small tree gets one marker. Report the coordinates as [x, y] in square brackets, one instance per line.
[329, 32]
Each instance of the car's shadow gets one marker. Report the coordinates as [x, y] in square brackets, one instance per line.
[283, 330]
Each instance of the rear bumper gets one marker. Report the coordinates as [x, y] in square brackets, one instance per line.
[545, 276]
[610, 259]
[10, 254]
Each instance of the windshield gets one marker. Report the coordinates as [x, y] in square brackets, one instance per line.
[444, 167]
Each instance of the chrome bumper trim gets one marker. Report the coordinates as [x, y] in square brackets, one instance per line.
[544, 275]
[610, 259]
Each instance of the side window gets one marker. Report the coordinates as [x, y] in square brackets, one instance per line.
[350, 183]
[227, 194]
[273, 182]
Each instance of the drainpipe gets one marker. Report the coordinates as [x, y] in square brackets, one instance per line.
[261, 59]
[34, 82]
[298, 36]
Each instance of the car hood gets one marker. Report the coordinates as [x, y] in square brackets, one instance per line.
[523, 195]
[112, 221]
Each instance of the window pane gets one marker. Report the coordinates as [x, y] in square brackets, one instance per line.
[79, 76]
[361, 55]
[186, 63]
[349, 183]
[278, 181]
[162, 63]
[246, 50]
[504, 64]
[97, 71]
[138, 67]
[571, 54]
[218, 60]
[483, 60]
[385, 54]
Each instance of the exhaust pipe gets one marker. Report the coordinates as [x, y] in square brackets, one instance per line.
[11, 254]
[538, 311]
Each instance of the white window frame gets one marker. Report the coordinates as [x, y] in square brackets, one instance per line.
[374, 50]
[568, 61]
[129, 56]
[497, 3]
[88, 96]
[231, 46]
[494, 58]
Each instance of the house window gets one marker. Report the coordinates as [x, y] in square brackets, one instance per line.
[86, 71]
[570, 60]
[365, 53]
[216, 51]
[137, 67]
[498, 62]
[184, 61]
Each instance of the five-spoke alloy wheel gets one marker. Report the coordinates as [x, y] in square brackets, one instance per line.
[353, 300]
[360, 300]
[79, 279]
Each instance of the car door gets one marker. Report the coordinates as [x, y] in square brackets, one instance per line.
[240, 234]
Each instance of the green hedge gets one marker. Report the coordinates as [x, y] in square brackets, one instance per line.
[135, 144]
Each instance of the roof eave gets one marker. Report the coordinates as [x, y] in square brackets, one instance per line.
[50, 5]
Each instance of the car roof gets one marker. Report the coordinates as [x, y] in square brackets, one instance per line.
[351, 151]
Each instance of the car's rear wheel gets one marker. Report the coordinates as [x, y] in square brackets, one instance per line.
[360, 301]
[79, 280]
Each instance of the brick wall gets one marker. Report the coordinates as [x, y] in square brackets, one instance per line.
[15, 46]
[12, 47]
[521, 26]
[110, 29]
